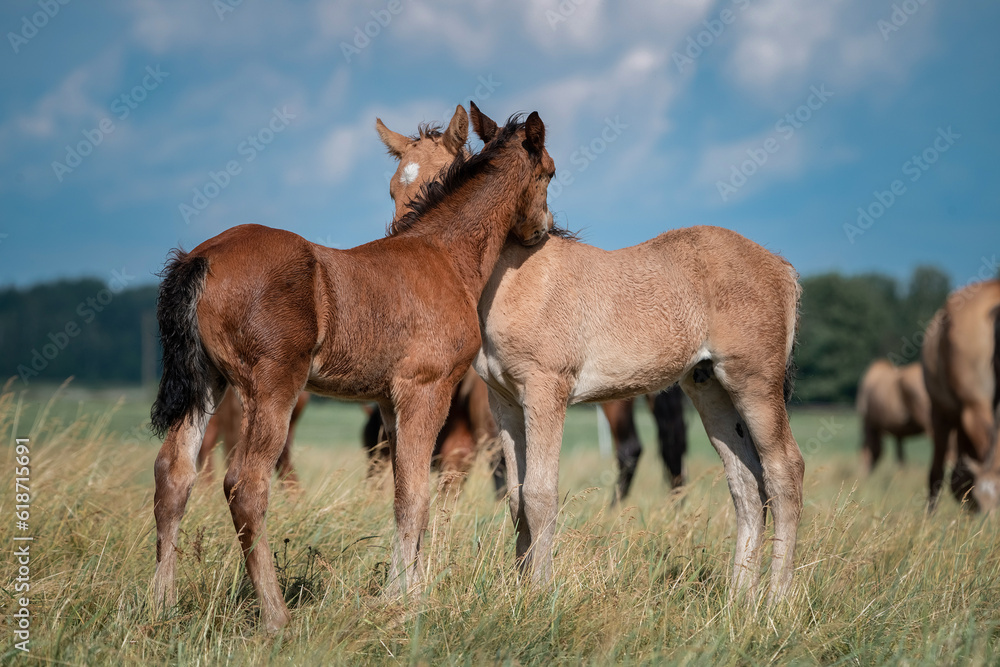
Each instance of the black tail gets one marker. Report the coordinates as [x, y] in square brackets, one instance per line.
[184, 387]
[996, 357]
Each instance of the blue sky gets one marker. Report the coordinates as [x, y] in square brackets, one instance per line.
[777, 118]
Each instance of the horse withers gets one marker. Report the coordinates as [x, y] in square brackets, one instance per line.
[392, 321]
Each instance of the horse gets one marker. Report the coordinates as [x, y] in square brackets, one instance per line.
[960, 357]
[432, 148]
[468, 430]
[564, 322]
[891, 399]
[470, 427]
[392, 321]
[667, 407]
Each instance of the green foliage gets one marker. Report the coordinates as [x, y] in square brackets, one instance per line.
[81, 328]
[848, 321]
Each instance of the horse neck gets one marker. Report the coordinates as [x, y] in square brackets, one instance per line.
[473, 224]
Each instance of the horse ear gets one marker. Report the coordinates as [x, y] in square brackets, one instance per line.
[534, 133]
[482, 124]
[458, 130]
[394, 141]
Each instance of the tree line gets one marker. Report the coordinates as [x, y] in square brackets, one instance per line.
[105, 335]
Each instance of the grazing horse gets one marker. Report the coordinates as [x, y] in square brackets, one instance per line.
[392, 321]
[961, 362]
[667, 407]
[432, 149]
[891, 399]
[564, 322]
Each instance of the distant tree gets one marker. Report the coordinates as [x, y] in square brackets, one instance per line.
[81, 327]
[846, 322]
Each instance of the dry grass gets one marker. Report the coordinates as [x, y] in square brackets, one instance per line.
[878, 581]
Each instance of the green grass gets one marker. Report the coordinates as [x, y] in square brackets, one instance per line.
[878, 581]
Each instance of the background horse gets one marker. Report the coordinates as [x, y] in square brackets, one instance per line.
[667, 407]
[891, 399]
[429, 153]
[392, 321]
[564, 322]
[961, 362]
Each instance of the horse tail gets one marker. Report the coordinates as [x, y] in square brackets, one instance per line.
[184, 386]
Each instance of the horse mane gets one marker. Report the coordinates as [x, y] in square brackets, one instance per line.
[463, 169]
[428, 131]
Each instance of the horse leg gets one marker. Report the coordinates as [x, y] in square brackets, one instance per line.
[961, 475]
[668, 410]
[900, 455]
[421, 410]
[208, 445]
[375, 438]
[941, 429]
[175, 471]
[784, 470]
[544, 418]
[628, 447]
[871, 448]
[248, 483]
[509, 417]
[286, 472]
[457, 452]
[731, 439]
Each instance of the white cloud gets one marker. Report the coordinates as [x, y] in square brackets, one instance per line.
[785, 45]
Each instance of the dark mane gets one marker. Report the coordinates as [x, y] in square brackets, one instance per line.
[564, 233]
[428, 131]
[463, 169]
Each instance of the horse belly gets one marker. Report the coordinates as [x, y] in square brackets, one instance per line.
[635, 371]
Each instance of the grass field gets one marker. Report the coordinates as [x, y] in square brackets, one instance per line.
[878, 581]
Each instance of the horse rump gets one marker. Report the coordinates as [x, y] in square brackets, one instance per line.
[184, 385]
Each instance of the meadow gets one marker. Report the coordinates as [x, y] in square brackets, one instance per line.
[878, 580]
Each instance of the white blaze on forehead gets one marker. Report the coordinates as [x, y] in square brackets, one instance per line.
[409, 174]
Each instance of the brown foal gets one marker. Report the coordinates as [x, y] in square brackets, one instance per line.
[393, 321]
[428, 153]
